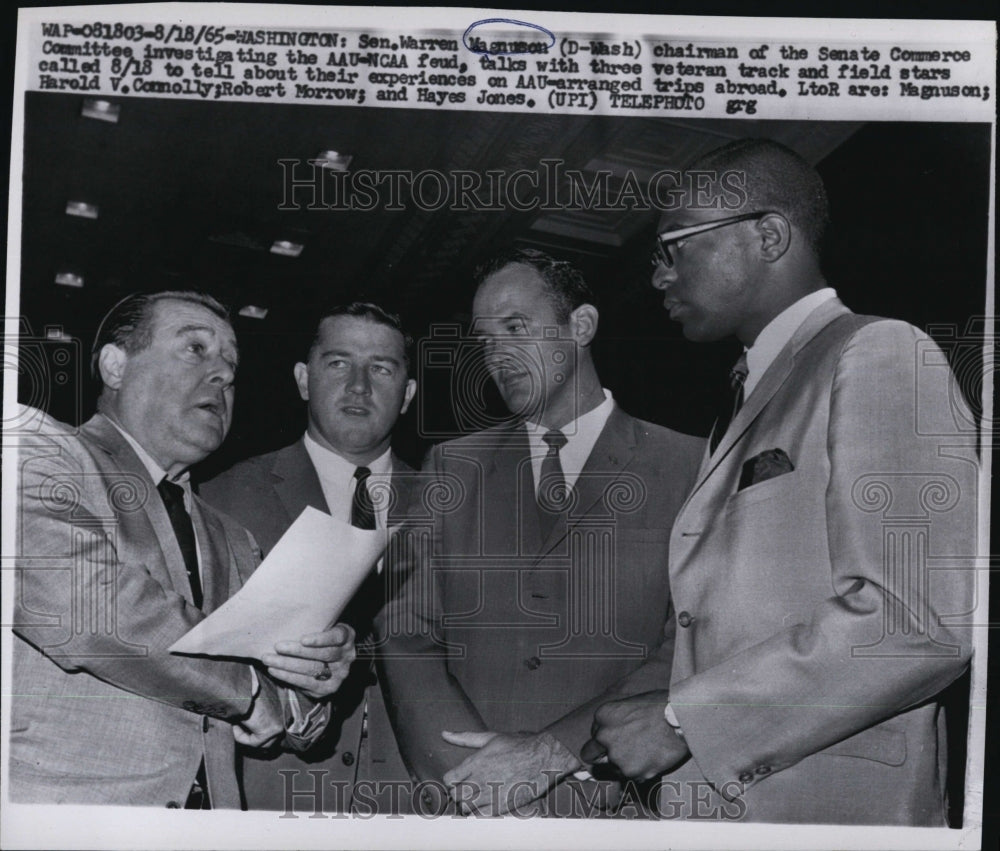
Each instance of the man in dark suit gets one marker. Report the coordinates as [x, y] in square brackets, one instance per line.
[117, 559]
[355, 382]
[822, 566]
[547, 581]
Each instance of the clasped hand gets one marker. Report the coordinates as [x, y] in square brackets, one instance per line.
[507, 771]
[635, 737]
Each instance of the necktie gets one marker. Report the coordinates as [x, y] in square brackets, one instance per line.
[359, 612]
[737, 377]
[173, 500]
[553, 495]
[362, 509]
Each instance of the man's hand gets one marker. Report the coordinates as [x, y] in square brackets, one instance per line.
[261, 729]
[508, 771]
[315, 664]
[636, 737]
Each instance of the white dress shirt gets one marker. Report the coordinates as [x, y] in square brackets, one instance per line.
[581, 435]
[776, 334]
[336, 477]
[157, 474]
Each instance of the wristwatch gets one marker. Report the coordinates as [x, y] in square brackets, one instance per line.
[671, 718]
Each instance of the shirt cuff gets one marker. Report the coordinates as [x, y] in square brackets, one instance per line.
[300, 721]
[254, 684]
[671, 718]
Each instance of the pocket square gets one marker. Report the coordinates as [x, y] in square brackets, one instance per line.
[763, 466]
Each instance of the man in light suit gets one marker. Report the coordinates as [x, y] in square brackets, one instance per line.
[821, 568]
[355, 382]
[117, 559]
[547, 582]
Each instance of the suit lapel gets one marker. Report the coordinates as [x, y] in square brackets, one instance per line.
[508, 481]
[123, 462]
[296, 482]
[213, 552]
[772, 380]
[403, 481]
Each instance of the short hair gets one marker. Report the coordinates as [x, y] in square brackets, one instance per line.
[364, 310]
[778, 179]
[129, 324]
[565, 285]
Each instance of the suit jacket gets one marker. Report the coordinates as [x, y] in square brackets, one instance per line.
[266, 494]
[103, 713]
[820, 610]
[512, 629]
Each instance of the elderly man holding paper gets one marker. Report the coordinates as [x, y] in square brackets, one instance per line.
[117, 559]
[355, 381]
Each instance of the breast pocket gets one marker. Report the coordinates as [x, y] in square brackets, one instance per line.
[787, 485]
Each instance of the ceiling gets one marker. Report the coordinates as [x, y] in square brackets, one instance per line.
[190, 196]
[190, 193]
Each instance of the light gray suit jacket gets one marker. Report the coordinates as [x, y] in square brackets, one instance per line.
[102, 712]
[820, 611]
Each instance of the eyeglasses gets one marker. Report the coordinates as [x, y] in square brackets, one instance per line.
[662, 255]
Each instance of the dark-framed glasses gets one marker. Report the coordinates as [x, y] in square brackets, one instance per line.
[662, 254]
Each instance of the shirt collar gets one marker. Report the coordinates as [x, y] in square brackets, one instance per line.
[776, 334]
[156, 472]
[585, 426]
[332, 466]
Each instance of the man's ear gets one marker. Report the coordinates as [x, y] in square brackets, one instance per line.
[111, 363]
[775, 236]
[583, 324]
[301, 373]
[408, 394]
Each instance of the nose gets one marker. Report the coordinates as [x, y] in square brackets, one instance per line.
[360, 381]
[663, 276]
[222, 373]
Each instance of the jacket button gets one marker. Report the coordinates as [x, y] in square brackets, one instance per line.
[685, 619]
[746, 777]
[205, 726]
[173, 805]
[347, 758]
[533, 664]
[763, 769]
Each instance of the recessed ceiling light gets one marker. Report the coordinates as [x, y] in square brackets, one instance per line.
[101, 110]
[69, 279]
[81, 209]
[55, 332]
[333, 160]
[286, 248]
[253, 312]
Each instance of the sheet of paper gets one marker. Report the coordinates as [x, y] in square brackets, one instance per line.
[300, 588]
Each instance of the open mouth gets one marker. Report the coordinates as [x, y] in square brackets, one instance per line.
[212, 407]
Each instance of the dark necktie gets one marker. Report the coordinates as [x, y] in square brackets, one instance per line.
[362, 509]
[553, 495]
[737, 377]
[173, 500]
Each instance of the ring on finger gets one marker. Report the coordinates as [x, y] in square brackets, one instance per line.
[324, 674]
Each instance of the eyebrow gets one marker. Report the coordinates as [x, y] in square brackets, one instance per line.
[344, 353]
[208, 329]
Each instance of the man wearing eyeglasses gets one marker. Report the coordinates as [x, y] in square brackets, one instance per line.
[813, 632]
